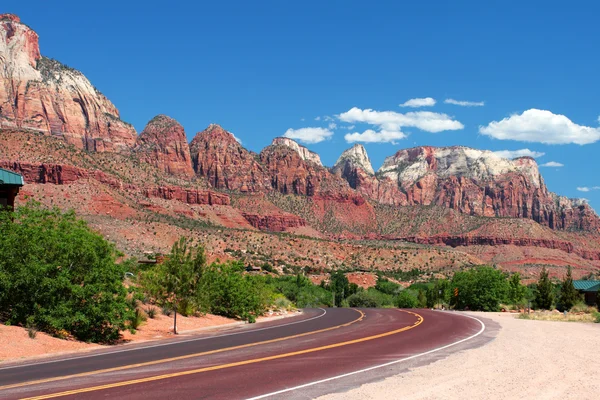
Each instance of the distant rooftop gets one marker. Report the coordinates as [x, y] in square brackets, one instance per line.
[10, 178]
[587, 286]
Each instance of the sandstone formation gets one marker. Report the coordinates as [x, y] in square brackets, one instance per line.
[42, 94]
[164, 145]
[290, 173]
[274, 223]
[474, 182]
[304, 153]
[65, 175]
[218, 157]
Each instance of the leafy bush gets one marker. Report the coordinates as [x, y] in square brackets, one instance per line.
[300, 290]
[136, 319]
[407, 299]
[232, 294]
[481, 288]
[386, 286]
[61, 276]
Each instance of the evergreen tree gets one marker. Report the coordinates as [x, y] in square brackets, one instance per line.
[516, 291]
[544, 296]
[568, 294]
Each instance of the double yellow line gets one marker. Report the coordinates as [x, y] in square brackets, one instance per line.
[216, 367]
[187, 356]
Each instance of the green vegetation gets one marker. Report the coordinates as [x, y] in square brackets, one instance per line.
[569, 296]
[481, 288]
[59, 276]
[544, 295]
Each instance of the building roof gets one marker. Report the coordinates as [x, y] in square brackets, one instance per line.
[587, 286]
[10, 178]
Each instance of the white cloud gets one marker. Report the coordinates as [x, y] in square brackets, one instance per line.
[328, 118]
[393, 121]
[541, 126]
[463, 103]
[419, 102]
[370, 136]
[350, 127]
[332, 125]
[317, 118]
[552, 164]
[510, 154]
[309, 135]
[587, 189]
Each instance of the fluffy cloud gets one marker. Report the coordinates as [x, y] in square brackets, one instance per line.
[463, 103]
[419, 102]
[317, 118]
[541, 126]
[587, 189]
[552, 164]
[390, 123]
[308, 135]
[370, 136]
[332, 125]
[510, 154]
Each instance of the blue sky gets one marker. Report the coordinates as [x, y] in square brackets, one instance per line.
[264, 68]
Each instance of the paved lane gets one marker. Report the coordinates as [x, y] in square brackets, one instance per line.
[250, 363]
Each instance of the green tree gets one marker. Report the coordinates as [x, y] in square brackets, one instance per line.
[176, 282]
[516, 291]
[481, 288]
[406, 299]
[544, 291]
[569, 296]
[340, 286]
[233, 294]
[598, 299]
[57, 274]
[422, 298]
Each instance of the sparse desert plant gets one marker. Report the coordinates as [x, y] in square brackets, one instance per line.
[151, 312]
[582, 307]
[136, 319]
[32, 330]
[167, 311]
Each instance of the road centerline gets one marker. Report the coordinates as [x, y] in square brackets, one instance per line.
[179, 358]
[419, 321]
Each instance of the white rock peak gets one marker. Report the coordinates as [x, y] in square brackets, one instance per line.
[304, 153]
[408, 166]
[358, 156]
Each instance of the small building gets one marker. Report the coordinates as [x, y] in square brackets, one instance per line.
[589, 289]
[10, 183]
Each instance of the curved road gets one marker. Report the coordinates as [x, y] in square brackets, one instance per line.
[301, 357]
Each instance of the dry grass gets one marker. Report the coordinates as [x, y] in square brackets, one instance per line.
[558, 316]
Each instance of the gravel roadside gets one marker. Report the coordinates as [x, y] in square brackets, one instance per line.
[527, 360]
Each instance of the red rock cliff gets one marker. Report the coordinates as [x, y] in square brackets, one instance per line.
[44, 95]
[163, 144]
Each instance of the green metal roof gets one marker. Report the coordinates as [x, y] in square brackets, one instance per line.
[10, 178]
[587, 286]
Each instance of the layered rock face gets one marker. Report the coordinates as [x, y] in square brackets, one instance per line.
[42, 94]
[290, 173]
[218, 157]
[274, 223]
[304, 153]
[163, 144]
[474, 182]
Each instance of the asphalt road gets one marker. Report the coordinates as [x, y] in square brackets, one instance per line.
[301, 357]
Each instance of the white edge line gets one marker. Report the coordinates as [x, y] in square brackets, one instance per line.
[376, 366]
[163, 344]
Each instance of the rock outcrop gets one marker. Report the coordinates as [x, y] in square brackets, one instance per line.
[304, 153]
[474, 182]
[218, 157]
[42, 94]
[274, 223]
[290, 173]
[66, 174]
[164, 145]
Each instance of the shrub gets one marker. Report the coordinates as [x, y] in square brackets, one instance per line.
[407, 299]
[151, 312]
[167, 311]
[60, 275]
[363, 299]
[137, 319]
[481, 288]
